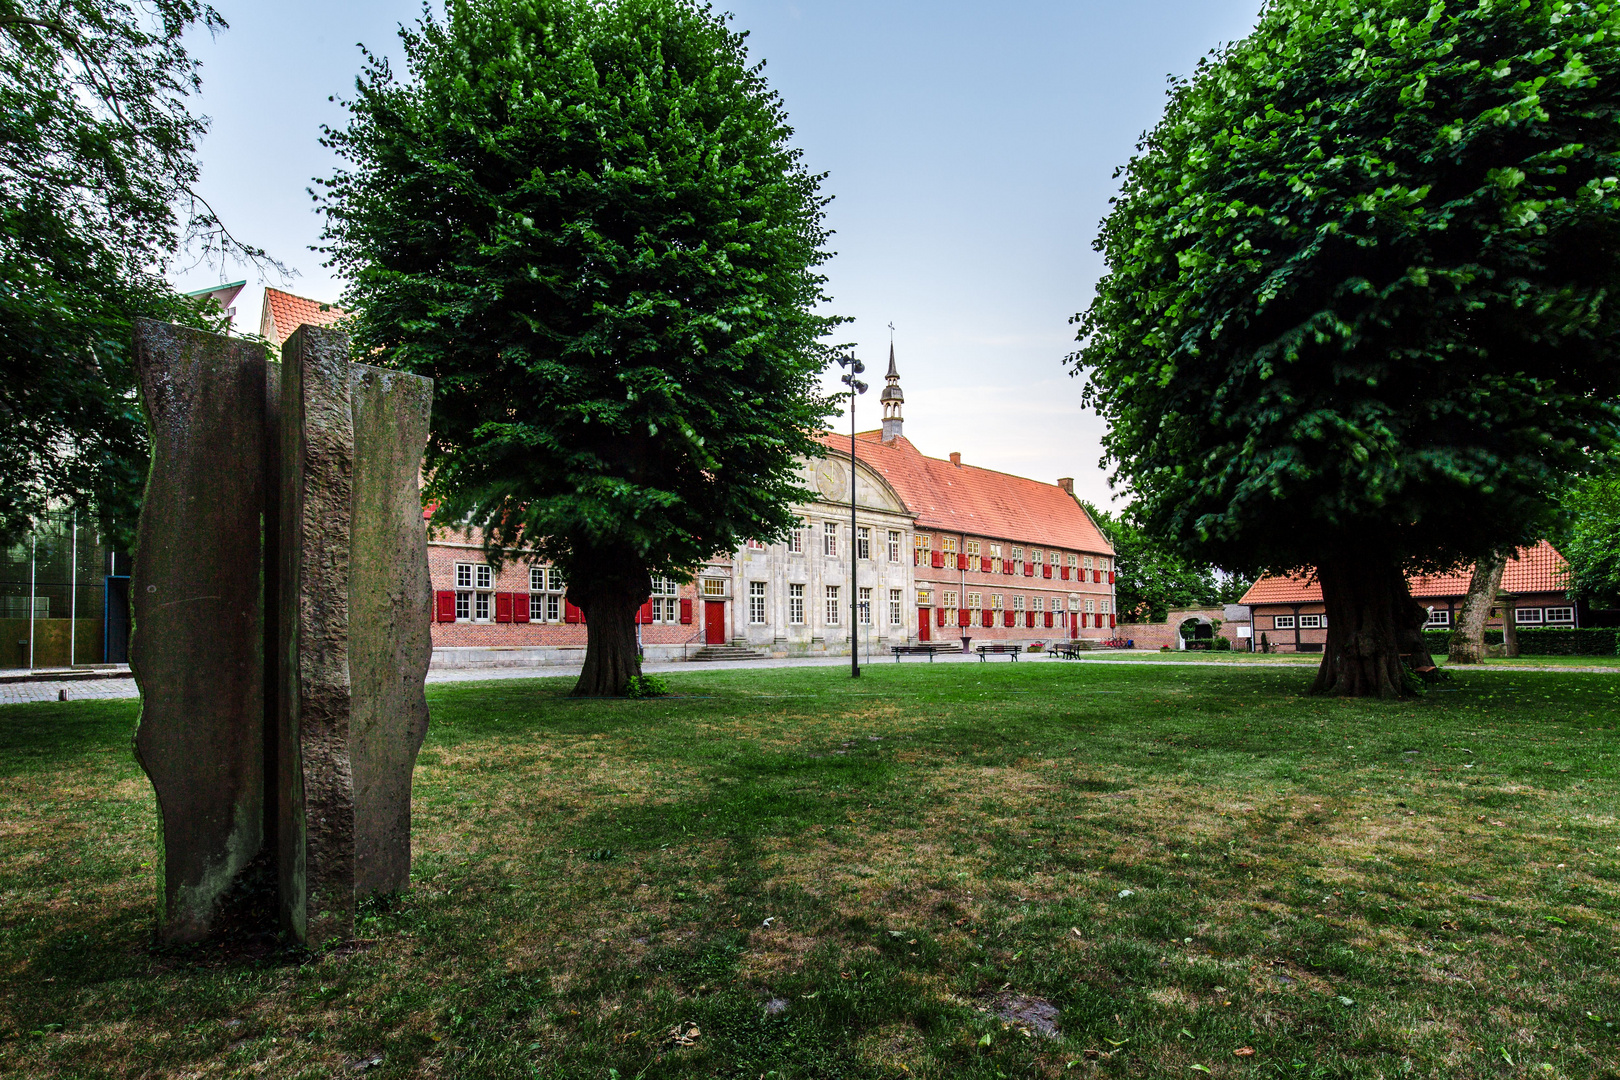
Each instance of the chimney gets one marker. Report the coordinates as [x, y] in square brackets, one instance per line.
[1067, 484]
[956, 459]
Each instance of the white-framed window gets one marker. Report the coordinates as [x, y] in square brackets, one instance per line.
[755, 545]
[995, 602]
[1102, 564]
[1086, 562]
[474, 605]
[553, 607]
[863, 603]
[1528, 616]
[863, 542]
[1102, 606]
[796, 536]
[464, 575]
[481, 605]
[829, 538]
[713, 586]
[796, 604]
[896, 601]
[947, 600]
[995, 552]
[1054, 558]
[833, 607]
[919, 550]
[1074, 562]
[666, 605]
[1035, 556]
[975, 603]
[1017, 554]
[1282, 622]
[463, 605]
[1089, 606]
[545, 594]
[1057, 604]
[537, 579]
[1560, 614]
[894, 545]
[973, 549]
[1439, 617]
[1040, 604]
[948, 546]
[756, 603]
[483, 576]
[1018, 603]
[925, 598]
[1312, 622]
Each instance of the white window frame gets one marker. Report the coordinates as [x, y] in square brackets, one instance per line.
[895, 539]
[1039, 605]
[1561, 615]
[863, 604]
[829, 539]
[863, 542]
[896, 607]
[1282, 622]
[714, 588]
[1439, 617]
[834, 606]
[1018, 603]
[1530, 616]
[1312, 622]
[796, 536]
[972, 550]
[483, 609]
[463, 607]
[796, 604]
[756, 603]
[948, 546]
[483, 576]
[464, 575]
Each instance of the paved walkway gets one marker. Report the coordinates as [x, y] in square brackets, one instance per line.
[19, 692]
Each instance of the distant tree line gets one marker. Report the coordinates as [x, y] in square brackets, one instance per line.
[1152, 579]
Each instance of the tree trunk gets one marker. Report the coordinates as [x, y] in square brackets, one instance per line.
[1467, 642]
[1372, 621]
[608, 587]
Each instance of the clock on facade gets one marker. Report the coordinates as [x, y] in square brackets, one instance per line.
[830, 481]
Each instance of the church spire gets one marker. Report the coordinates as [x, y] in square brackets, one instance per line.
[892, 397]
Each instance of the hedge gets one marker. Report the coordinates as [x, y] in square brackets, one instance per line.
[1545, 640]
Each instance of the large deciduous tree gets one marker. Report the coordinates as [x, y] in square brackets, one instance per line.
[97, 193]
[1590, 539]
[586, 222]
[1360, 309]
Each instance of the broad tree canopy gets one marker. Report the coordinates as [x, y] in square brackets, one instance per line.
[1360, 308]
[587, 223]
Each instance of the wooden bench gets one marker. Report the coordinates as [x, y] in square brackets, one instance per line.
[999, 649]
[922, 650]
[1069, 650]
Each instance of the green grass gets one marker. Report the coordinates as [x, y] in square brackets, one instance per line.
[1182, 861]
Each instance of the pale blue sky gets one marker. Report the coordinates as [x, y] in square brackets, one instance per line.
[970, 147]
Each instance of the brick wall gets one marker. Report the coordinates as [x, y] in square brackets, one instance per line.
[1159, 635]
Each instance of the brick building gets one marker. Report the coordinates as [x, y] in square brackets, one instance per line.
[942, 551]
[1288, 610]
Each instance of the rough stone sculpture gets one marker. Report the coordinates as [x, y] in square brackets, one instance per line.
[195, 594]
[282, 634]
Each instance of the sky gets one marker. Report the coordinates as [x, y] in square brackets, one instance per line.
[970, 149]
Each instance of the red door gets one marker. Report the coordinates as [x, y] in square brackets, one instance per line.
[922, 624]
[714, 622]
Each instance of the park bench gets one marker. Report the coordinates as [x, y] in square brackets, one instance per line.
[999, 649]
[1068, 650]
[921, 650]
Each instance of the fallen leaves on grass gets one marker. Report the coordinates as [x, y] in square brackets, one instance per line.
[684, 1034]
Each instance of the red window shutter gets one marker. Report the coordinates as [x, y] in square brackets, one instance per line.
[1110, 577]
[989, 617]
[1029, 620]
[446, 605]
[503, 607]
[963, 616]
[961, 562]
[1065, 573]
[984, 565]
[520, 607]
[1046, 571]
[1110, 620]
[1029, 569]
[1048, 619]
[686, 610]
[646, 614]
[939, 561]
[571, 614]
[1006, 618]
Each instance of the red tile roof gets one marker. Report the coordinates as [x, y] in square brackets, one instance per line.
[977, 502]
[283, 313]
[1537, 569]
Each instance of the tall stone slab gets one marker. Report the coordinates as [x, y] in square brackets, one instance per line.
[196, 599]
[390, 612]
[315, 782]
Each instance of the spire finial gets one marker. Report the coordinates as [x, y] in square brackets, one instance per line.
[892, 397]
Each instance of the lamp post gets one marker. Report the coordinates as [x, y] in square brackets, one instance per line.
[855, 387]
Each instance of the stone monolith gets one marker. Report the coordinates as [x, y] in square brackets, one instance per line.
[195, 597]
[390, 612]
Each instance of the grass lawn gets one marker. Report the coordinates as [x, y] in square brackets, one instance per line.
[902, 877]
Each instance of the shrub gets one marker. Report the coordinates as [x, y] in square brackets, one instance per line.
[643, 686]
[1545, 640]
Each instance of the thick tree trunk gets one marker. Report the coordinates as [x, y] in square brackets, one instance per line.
[1372, 621]
[608, 588]
[1467, 642]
